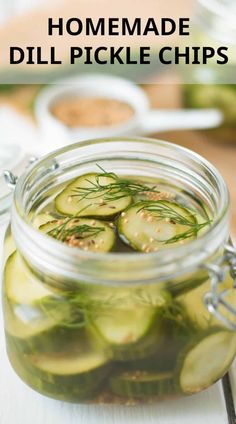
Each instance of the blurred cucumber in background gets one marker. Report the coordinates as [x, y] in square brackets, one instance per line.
[215, 86]
[221, 96]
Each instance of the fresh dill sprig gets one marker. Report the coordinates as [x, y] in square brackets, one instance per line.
[54, 307]
[187, 234]
[68, 229]
[79, 309]
[161, 210]
[115, 190]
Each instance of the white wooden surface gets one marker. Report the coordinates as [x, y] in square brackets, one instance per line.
[21, 405]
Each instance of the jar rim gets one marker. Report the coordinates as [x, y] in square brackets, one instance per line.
[214, 236]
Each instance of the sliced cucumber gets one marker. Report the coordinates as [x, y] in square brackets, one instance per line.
[206, 360]
[42, 219]
[147, 232]
[24, 324]
[9, 245]
[50, 339]
[142, 383]
[74, 374]
[88, 234]
[21, 286]
[130, 333]
[177, 329]
[124, 327]
[128, 319]
[70, 365]
[30, 308]
[222, 96]
[193, 303]
[78, 197]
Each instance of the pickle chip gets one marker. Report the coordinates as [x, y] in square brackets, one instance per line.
[142, 383]
[150, 226]
[21, 286]
[130, 334]
[92, 195]
[86, 234]
[206, 360]
[78, 373]
[31, 309]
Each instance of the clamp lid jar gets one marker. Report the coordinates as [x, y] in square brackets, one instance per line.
[122, 326]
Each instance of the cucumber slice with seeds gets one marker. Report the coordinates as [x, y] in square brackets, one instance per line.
[146, 231]
[142, 383]
[78, 197]
[86, 234]
[206, 360]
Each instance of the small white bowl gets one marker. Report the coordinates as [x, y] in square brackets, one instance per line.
[144, 120]
[90, 86]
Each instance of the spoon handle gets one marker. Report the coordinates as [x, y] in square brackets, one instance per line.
[168, 120]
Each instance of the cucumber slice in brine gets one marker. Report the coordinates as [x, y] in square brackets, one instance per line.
[194, 303]
[9, 245]
[70, 365]
[145, 229]
[81, 368]
[74, 372]
[88, 196]
[24, 322]
[42, 219]
[142, 383]
[21, 285]
[130, 333]
[128, 320]
[25, 298]
[85, 234]
[206, 360]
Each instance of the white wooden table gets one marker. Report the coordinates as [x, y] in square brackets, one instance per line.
[21, 405]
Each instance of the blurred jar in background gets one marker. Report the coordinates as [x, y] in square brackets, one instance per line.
[11, 8]
[215, 85]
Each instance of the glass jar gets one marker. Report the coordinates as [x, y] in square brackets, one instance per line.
[214, 86]
[119, 327]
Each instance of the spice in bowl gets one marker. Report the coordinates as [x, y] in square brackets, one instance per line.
[91, 111]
